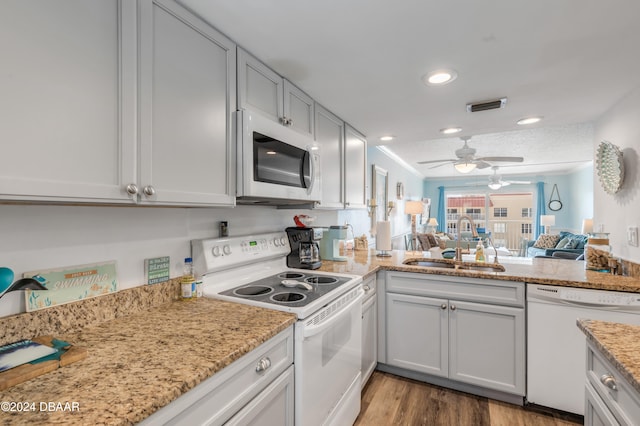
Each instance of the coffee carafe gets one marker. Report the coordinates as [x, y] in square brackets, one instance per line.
[305, 251]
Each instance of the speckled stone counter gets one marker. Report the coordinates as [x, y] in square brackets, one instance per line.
[560, 272]
[143, 361]
[620, 345]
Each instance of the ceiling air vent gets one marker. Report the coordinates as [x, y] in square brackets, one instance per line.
[487, 105]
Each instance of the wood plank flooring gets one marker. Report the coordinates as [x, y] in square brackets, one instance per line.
[392, 400]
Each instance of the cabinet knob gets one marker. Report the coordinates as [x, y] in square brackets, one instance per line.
[132, 189]
[149, 191]
[609, 381]
[263, 364]
[443, 306]
[453, 307]
[366, 288]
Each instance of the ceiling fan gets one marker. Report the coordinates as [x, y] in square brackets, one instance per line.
[467, 160]
[496, 182]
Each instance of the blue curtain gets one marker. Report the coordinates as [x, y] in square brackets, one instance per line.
[442, 223]
[540, 210]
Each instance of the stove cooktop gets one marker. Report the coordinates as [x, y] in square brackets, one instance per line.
[288, 288]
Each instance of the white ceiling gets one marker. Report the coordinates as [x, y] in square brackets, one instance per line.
[566, 60]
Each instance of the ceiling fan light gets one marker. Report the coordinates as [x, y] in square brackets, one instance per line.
[495, 185]
[464, 167]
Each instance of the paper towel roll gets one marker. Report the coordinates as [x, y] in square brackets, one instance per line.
[383, 235]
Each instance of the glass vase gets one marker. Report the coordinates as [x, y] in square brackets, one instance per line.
[597, 252]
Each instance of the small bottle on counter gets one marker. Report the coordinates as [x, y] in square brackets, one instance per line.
[188, 281]
[198, 286]
[479, 252]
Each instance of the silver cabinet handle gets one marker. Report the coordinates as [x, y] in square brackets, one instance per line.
[263, 364]
[132, 189]
[453, 307]
[609, 381]
[149, 191]
[366, 288]
[443, 306]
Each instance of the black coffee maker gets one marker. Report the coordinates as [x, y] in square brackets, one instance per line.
[305, 251]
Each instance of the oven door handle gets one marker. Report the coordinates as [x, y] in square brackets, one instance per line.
[312, 330]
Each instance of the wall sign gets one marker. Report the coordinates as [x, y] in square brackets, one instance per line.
[72, 283]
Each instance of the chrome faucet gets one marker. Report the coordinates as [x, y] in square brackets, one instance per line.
[474, 233]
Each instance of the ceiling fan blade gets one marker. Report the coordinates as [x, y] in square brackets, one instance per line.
[482, 164]
[507, 159]
[439, 165]
[435, 161]
[519, 182]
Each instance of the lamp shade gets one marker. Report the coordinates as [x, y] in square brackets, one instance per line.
[587, 226]
[464, 167]
[432, 222]
[413, 207]
[547, 220]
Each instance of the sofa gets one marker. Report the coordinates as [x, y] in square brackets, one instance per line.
[567, 242]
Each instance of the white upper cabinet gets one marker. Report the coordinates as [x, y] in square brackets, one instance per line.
[187, 76]
[330, 136]
[67, 102]
[262, 90]
[355, 169]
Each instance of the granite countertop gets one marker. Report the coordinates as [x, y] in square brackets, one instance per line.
[141, 362]
[537, 270]
[620, 345]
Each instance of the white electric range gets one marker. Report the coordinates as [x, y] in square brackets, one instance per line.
[327, 346]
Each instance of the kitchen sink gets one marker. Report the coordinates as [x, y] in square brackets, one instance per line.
[453, 264]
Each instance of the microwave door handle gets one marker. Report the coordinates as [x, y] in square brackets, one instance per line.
[312, 172]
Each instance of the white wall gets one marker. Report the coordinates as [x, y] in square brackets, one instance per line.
[620, 126]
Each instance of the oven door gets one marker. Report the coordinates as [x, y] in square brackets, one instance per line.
[327, 359]
[275, 162]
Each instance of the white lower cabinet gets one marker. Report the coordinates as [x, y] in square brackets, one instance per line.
[465, 330]
[369, 329]
[609, 397]
[255, 389]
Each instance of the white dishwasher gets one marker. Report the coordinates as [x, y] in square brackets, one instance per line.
[556, 354]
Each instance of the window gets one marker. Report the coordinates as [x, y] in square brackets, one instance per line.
[499, 212]
[526, 228]
[527, 212]
[473, 211]
[499, 227]
[452, 211]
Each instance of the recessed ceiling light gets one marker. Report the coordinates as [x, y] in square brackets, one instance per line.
[387, 138]
[451, 130]
[528, 120]
[439, 77]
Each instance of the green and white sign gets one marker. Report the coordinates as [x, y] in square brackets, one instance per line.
[71, 283]
[157, 269]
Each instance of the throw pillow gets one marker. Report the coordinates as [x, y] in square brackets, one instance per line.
[571, 244]
[546, 241]
[563, 242]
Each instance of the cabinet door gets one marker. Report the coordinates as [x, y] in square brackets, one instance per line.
[187, 76]
[272, 406]
[67, 102]
[596, 412]
[355, 169]
[298, 109]
[369, 338]
[417, 333]
[260, 89]
[330, 136]
[487, 346]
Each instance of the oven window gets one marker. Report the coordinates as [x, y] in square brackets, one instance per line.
[280, 163]
[335, 339]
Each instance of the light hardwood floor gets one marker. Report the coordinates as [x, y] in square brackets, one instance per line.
[392, 400]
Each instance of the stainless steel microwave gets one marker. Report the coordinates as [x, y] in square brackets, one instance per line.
[275, 164]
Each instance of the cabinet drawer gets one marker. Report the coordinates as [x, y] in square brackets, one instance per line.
[497, 292]
[218, 398]
[370, 287]
[623, 401]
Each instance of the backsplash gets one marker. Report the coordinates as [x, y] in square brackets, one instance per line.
[73, 317]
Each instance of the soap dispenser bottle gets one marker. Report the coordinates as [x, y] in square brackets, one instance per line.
[479, 252]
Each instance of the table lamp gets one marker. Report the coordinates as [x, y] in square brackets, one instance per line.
[414, 208]
[547, 220]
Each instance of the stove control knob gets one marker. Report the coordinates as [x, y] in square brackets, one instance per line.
[226, 249]
[276, 242]
[216, 251]
[283, 241]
